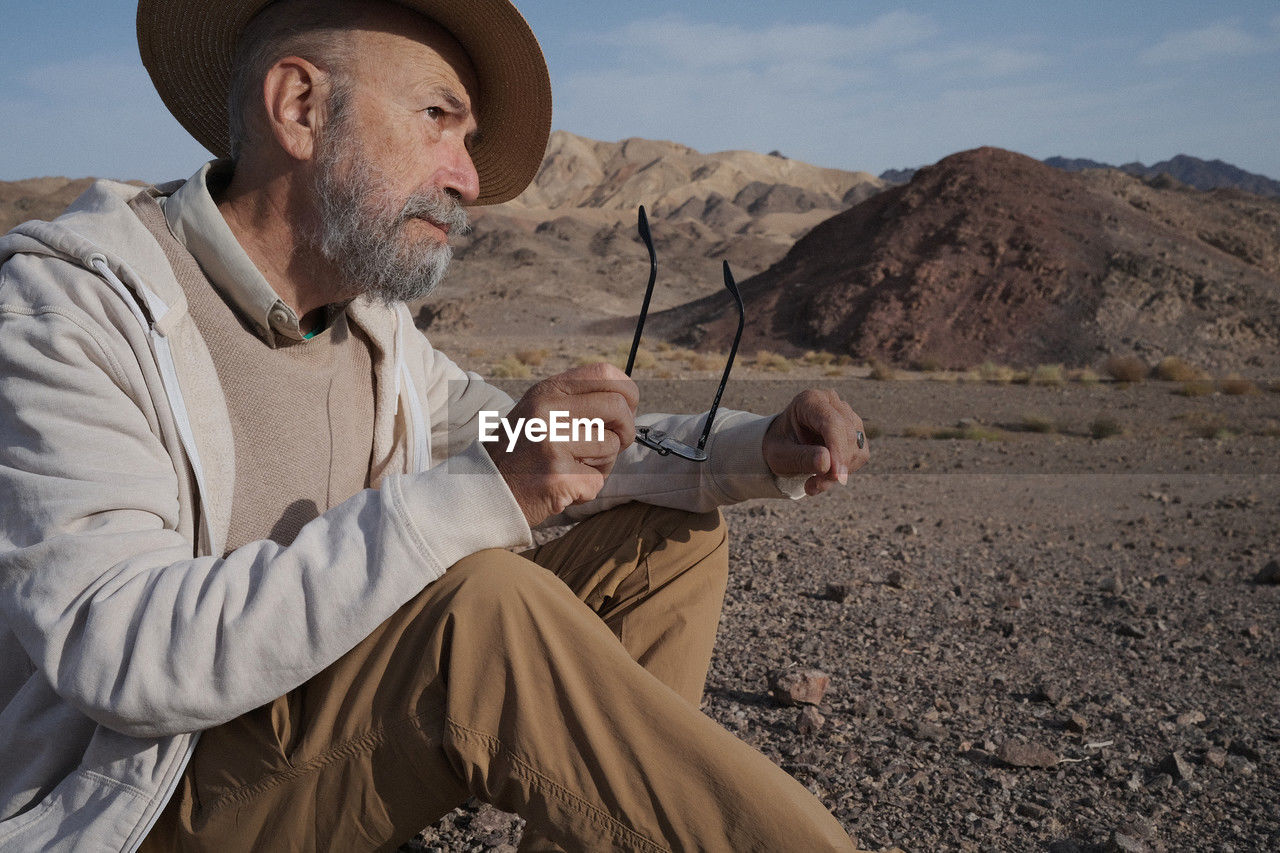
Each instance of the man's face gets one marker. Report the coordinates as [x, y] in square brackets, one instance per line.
[393, 166]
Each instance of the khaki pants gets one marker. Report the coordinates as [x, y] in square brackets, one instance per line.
[506, 680]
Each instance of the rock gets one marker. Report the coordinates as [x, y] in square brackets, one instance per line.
[1035, 811]
[1239, 747]
[930, 731]
[1112, 584]
[900, 579]
[1017, 754]
[1239, 764]
[1121, 842]
[1215, 757]
[1191, 718]
[1128, 629]
[1067, 845]
[798, 687]
[1269, 574]
[1176, 766]
[907, 530]
[1160, 782]
[810, 722]
[1076, 723]
[838, 592]
[1048, 692]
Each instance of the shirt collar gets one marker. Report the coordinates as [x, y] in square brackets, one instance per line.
[195, 220]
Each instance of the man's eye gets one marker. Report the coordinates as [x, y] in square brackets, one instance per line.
[434, 112]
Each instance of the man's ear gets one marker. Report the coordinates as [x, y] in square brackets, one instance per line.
[294, 94]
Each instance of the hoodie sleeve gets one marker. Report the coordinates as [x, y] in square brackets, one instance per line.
[106, 596]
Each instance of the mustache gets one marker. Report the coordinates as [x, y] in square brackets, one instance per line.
[438, 207]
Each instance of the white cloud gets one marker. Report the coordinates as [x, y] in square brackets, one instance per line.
[1217, 40]
[976, 60]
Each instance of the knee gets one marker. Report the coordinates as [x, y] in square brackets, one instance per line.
[493, 584]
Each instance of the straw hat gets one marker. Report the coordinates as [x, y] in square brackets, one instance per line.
[187, 47]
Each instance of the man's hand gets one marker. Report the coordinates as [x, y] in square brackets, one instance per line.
[816, 434]
[546, 477]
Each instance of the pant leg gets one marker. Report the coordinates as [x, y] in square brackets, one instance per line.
[497, 681]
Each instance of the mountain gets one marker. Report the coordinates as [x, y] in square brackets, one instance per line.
[566, 254]
[1192, 171]
[993, 255]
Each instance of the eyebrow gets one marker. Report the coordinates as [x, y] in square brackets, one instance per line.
[457, 105]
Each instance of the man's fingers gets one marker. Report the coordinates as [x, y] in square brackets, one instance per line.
[803, 459]
[593, 378]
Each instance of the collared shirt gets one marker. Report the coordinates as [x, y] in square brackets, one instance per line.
[194, 218]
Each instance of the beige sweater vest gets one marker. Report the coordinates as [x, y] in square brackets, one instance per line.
[301, 413]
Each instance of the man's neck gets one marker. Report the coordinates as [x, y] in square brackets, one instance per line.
[269, 218]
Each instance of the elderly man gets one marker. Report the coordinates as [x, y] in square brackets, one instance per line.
[256, 581]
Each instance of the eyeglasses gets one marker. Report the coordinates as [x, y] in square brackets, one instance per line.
[659, 440]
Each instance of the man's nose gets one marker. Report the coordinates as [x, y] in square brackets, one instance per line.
[460, 176]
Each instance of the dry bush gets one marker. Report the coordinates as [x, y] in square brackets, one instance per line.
[1085, 376]
[989, 371]
[821, 359]
[970, 432]
[844, 360]
[872, 431]
[919, 431]
[645, 360]
[1105, 426]
[833, 371]
[880, 371]
[1195, 388]
[1038, 423]
[1237, 386]
[665, 346]
[1271, 429]
[766, 360]
[928, 364]
[532, 357]
[510, 368]
[1173, 369]
[1048, 375]
[1126, 368]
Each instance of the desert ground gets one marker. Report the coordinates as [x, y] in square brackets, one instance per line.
[1036, 639]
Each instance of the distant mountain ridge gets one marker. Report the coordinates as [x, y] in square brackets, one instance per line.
[1192, 171]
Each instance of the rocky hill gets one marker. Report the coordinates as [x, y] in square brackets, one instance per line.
[37, 198]
[994, 255]
[1192, 171]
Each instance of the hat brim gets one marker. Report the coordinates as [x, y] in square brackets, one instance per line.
[187, 47]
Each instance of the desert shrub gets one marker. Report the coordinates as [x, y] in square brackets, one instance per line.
[970, 432]
[1048, 375]
[1195, 388]
[1236, 385]
[1105, 426]
[872, 431]
[989, 371]
[1212, 432]
[833, 372]
[590, 358]
[1085, 376]
[1038, 423]
[532, 357]
[919, 431]
[665, 346]
[706, 361]
[1173, 369]
[880, 371]
[928, 364]
[1126, 368]
[510, 368]
[820, 359]
[844, 360]
[1271, 429]
[766, 360]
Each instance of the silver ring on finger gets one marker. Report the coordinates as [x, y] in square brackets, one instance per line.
[862, 439]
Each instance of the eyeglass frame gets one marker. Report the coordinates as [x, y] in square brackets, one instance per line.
[660, 441]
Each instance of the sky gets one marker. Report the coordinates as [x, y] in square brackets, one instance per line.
[853, 85]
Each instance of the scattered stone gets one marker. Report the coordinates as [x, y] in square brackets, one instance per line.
[1112, 585]
[1176, 766]
[1239, 747]
[1017, 754]
[1076, 723]
[1048, 692]
[810, 722]
[798, 687]
[1121, 842]
[900, 579]
[1128, 629]
[1270, 573]
[1035, 811]
[1067, 845]
[1191, 718]
[907, 530]
[1012, 602]
[926, 730]
[1240, 764]
[1160, 782]
[1215, 757]
[838, 592]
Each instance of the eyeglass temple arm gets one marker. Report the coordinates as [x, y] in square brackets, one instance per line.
[643, 227]
[732, 287]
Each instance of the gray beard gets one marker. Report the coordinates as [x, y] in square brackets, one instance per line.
[362, 231]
